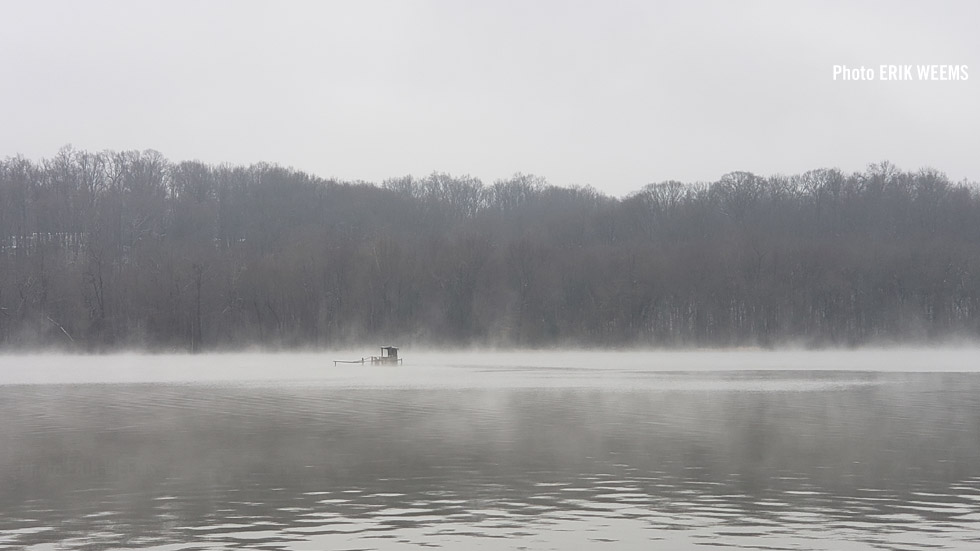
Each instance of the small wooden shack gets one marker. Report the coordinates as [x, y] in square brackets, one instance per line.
[389, 356]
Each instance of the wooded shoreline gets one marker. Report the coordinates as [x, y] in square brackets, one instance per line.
[111, 250]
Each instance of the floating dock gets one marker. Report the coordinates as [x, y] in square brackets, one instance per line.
[389, 356]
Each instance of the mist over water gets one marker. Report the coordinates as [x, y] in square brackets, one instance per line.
[828, 450]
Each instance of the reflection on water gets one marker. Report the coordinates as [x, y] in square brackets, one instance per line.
[753, 460]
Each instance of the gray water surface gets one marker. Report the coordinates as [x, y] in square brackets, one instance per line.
[518, 453]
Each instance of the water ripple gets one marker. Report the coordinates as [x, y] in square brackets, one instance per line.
[891, 463]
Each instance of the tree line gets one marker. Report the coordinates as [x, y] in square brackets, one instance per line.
[110, 250]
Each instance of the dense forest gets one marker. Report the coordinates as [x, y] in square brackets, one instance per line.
[110, 250]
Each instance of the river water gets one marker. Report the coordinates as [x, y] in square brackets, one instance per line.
[699, 450]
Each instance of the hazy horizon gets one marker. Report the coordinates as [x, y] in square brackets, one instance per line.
[620, 370]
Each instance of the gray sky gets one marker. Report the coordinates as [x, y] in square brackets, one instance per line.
[610, 94]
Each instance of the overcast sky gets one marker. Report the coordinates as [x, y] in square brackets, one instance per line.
[610, 94]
